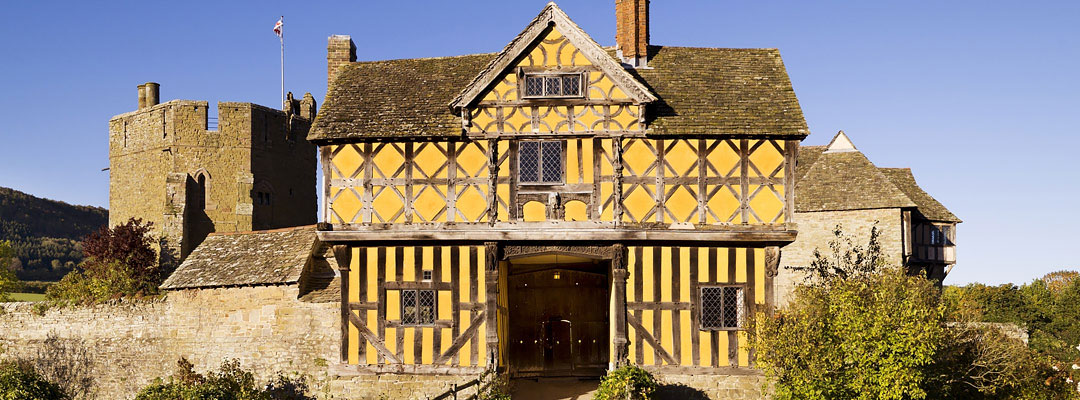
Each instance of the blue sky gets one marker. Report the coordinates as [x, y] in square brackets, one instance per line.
[980, 98]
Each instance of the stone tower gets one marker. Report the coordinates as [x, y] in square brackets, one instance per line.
[176, 166]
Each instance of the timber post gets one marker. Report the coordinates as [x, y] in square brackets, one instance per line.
[618, 291]
[772, 269]
[491, 274]
[343, 255]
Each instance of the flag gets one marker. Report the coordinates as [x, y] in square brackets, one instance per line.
[277, 27]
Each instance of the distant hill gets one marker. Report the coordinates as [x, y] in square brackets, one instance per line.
[46, 234]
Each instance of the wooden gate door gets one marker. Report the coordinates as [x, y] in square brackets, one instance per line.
[558, 320]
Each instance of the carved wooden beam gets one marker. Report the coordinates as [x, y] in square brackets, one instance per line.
[343, 256]
[618, 291]
[492, 287]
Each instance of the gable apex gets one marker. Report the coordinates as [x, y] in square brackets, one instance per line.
[840, 144]
[552, 16]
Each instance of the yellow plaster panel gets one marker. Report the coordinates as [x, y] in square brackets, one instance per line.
[388, 204]
[637, 202]
[631, 348]
[647, 278]
[576, 211]
[703, 264]
[767, 158]
[473, 159]
[665, 276]
[721, 347]
[346, 162]
[534, 211]
[370, 353]
[447, 339]
[666, 336]
[408, 265]
[740, 265]
[481, 281]
[586, 160]
[724, 158]
[518, 119]
[607, 212]
[647, 321]
[606, 167]
[409, 346]
[472, 203]
[682, 205]
[744, 352]
[429, 160]
[589, 119]
[465, 355]
[446, 307]
[759, 275]
[372, 271]
[430, 203]
[681, 158]
[639, 157]
[354, 275]
[625, 119]
[391, 260]
[346, 204]
[631, 260]
[766, 204]
[481, 359]
[354, 343]
[688, 329]
[723, 204]
[428, 341]
[705, 350]
[722, 265]
[464, 275]
[684, 275]
[573, 151]
[391, 340]
[503, 193]
[393, 304]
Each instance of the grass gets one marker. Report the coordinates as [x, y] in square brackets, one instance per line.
[27, 297]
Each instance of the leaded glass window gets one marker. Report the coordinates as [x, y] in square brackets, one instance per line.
[722, 307]
[540, 161]
[553, 85]
[417, 307]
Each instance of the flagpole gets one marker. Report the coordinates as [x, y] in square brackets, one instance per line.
[282, 38]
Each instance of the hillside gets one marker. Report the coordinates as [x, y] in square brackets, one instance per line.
[45, 233]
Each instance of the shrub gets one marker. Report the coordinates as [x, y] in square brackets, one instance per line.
[67, 362]
[8, 282]
[21, 382]
[626, 383]
[119, 262]
[492, 386]
[229, 382]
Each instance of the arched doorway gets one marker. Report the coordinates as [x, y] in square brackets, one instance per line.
[558, 315]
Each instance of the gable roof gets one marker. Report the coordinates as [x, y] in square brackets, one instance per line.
[843, 180]
[551, 16]
[699, 91]
[246, 259]
[928, 206]
[840, 143]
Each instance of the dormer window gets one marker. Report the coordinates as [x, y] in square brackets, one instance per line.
[552, 85]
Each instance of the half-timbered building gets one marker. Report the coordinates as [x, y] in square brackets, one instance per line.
[557, 208]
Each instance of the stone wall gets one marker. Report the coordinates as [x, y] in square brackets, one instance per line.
[266, 328]
[816, 230]
[695, 387]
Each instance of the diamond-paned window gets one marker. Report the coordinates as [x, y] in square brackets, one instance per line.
[553, 85]
[722, 307]
[417, 307]
[540, 161]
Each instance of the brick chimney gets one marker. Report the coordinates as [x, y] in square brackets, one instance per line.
[632, 31]
[339, 51]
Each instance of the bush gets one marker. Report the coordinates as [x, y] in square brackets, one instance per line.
[492, 386]
[8, 282]
[626, 383]
[120, 262]
[21, 382]
[68, 362]
[229, 382]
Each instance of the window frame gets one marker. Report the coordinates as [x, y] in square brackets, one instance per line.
[525, 75]
[742, 315]
[540, 163]
[417, 319]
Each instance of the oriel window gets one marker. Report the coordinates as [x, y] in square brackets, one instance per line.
[418, 307]
[540, 161]
[722, 307]
[553, 85]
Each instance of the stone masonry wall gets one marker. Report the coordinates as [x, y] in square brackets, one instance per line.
[266, 328]
[816, 230]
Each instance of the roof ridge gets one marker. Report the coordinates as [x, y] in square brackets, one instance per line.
[276, 230]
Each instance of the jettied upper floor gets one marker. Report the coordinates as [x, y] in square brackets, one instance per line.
[558, 138]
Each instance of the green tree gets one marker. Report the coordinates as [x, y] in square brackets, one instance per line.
[8, 282]
[20, 382]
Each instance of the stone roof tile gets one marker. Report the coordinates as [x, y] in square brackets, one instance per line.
[246, 258]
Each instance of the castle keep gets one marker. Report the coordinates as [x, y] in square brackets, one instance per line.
[169, 164]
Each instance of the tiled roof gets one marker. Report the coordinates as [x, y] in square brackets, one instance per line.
[247, 258]
[844, 181]
[700, 91]
[929, 207]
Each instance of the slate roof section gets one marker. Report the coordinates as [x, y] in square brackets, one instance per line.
[845, 181]
[701, 91]
[929, 207]
[246, 259]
